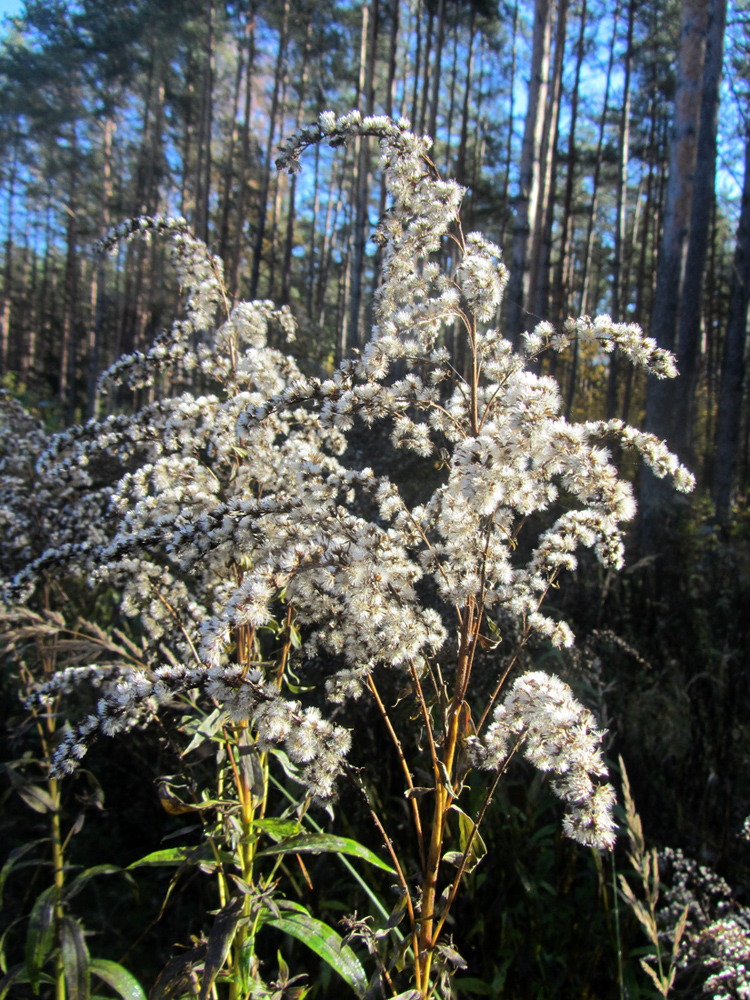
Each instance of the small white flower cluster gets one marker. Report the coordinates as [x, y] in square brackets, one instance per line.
[727, 943]
[628, 337]
[128, 698]
[482, 276]
[210, 511]
[557, 734]
[717, 934]
[199, 272]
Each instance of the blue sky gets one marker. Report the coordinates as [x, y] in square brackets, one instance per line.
[10, 7]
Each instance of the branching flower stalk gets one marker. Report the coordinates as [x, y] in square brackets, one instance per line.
[237, 510]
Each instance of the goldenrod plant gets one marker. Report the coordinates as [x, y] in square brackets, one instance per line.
[242, 536]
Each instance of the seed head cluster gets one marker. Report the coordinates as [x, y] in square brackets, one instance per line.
[228, 500]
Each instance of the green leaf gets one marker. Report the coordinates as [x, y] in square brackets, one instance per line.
[278, 828]
[13, 857]
[36, 798]
[326, 944]
[315, 843]
[180, 855]
[80, 881]
[18, 974]
[220, 941]
[478, 847]
[177, 978]
[75, 956]
[118, 979]
[290, 769]
[41, 934]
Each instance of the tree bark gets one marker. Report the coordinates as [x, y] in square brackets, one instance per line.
[728, 419]
[621, 212]
[586, 263]
[542, 230]
[529, 179]
[5, 364]
[266, 178]
[689, 335]
[436, 68]
[656, 495]
[367, 77]
[239, 221]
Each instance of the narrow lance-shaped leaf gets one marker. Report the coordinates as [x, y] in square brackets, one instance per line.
[75, 956]
[219, 942]
[316, 843]
[41, 934]
[118, 979]
[327, 944]
[12, 859]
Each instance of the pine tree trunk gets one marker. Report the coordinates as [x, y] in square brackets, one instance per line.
[586, 262]
[286, 271]
[461, 158]
[239, 222]
[451, 103]
[98, 291]
[5, 359]
[426, 71]
[228, 178]
[436, 73]
[511, 124]
[700, 226]
[621, 213]
[728, 418]
[542, 229]
[656, 496]
[266, 178]
[67, 388]
[362, 174]
[529, 180]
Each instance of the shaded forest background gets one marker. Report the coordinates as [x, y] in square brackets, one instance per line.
[605, 145]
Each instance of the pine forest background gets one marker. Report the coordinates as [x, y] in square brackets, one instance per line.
[605, 145]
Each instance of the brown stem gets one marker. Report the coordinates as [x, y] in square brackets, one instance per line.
[404, 766]
[470, 841]
[399, 871]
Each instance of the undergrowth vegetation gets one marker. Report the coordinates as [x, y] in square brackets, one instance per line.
[349, 677]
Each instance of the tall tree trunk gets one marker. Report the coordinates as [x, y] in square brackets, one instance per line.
[203, 178]
[621, 212]
[511, 123]
[586, 262]
[286, 272]
[239, 221]
[436, 71]
[313, 234]
[656, 496]
[562, 289]
[5, 360]
[67, 393]
[389, 98]
[700, 225]
[362, 152]
[98, 290]
[728, 418]
[228, 177]
[332, 215]
[461, 158]
[542, 229]
[426, 71]
[451, 102]
[529, 179]
[278, 184]
[31, 310]
[417, 67]
[266, 178]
